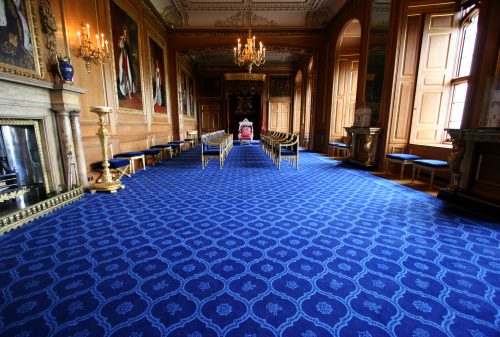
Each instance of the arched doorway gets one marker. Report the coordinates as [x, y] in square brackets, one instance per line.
[345, 79]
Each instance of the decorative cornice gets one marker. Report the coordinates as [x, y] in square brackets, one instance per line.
[156, 15]
[186, 5]
[244, 77]
[173, 17]
[285, 51]
[199, 32]
[320, 17]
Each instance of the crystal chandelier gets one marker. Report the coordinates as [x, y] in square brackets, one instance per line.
[249, 54]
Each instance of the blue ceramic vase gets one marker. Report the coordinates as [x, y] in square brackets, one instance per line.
[65, 69]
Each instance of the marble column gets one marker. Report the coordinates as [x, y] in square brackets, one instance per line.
[78, 146]
[65, 140]
[65, 101]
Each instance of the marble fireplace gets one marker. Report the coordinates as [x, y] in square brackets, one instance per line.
[41, 153]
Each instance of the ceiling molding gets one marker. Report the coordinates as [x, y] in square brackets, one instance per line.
[188, 5]
[283, 32]
[320, 17]
[174, 17]
[240, 19]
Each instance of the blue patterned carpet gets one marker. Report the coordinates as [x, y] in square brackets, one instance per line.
[253, 251]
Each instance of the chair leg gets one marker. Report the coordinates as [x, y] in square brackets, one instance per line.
[402, 170]
[124, 172]
[432, 179]
[132, 165]
[413, 174]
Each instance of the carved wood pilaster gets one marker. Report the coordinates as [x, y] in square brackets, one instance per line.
[49, 27]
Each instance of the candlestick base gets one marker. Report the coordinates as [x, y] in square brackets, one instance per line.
[107, 186]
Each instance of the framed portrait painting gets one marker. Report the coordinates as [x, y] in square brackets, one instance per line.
[19, 45]
[127, 60]
[158, 80]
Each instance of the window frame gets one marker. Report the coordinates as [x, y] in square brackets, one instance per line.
[468, 13]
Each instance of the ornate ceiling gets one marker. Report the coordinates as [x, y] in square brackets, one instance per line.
[264, 15]
[235, 13]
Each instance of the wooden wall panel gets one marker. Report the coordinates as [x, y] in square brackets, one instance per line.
[403, 113]
[128, 131]
[406, 76]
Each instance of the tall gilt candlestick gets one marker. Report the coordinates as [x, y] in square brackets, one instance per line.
[107, 183]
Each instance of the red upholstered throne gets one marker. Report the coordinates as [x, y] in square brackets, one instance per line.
[245, 134]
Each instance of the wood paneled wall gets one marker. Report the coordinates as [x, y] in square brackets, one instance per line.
[129, 132]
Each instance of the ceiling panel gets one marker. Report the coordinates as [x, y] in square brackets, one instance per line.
[236, 13]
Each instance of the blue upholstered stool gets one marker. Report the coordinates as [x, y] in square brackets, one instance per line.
[153, 154]
[176, 145]
[402, 159]
[190, 141]
[339, 147]
[164, 148]
[119, 165]
[132, 157]
[430, 165]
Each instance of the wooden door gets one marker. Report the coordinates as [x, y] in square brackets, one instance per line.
[435, 71]
[344, 97]
[279, 116]
[211, 116]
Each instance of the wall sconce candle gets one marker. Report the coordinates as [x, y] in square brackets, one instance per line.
[98, 53]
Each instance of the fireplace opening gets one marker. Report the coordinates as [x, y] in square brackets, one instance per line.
[22, 169]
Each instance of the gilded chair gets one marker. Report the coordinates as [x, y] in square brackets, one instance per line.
[245, 132]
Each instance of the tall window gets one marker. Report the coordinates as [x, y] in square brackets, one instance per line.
[460, 82]
[443, 75]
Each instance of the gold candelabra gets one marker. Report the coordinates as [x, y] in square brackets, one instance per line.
[107, 183]
[90, 52]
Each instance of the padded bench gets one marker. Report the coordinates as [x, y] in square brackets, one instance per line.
[119, 165]
[402, 159]
[132, 157]
[431, 165]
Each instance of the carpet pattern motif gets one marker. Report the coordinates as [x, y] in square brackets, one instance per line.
[252, 251]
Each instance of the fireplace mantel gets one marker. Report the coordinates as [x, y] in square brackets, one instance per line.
[55, 109]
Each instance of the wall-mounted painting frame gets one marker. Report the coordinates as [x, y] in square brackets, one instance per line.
[280, 86]
[127, 61]
[158, 78]
[19, 43]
